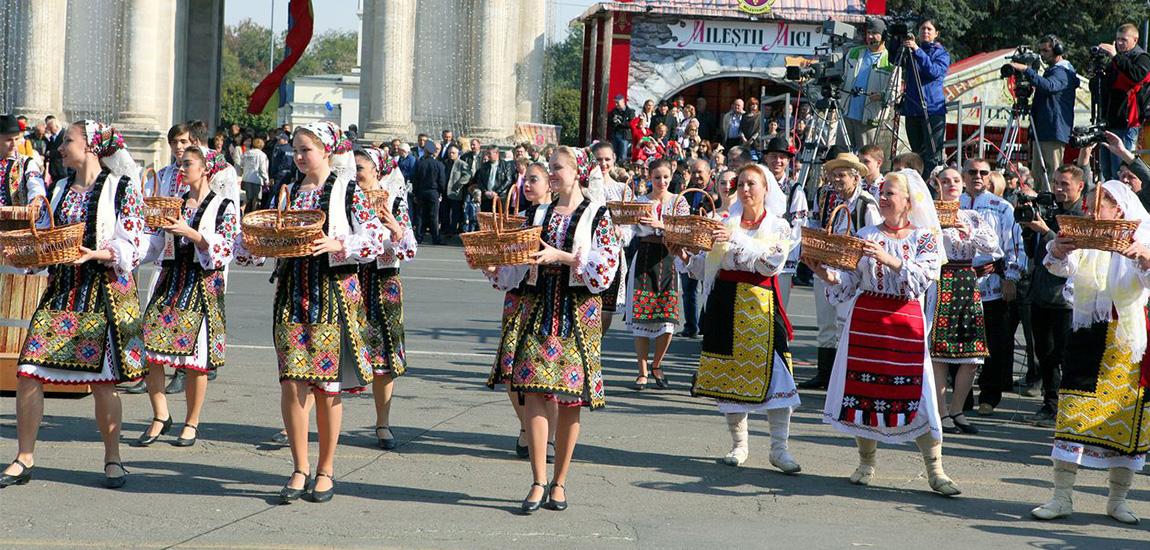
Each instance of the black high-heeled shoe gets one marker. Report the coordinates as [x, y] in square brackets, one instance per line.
[21, 478]
[181, 442]
[529, 506]
[145, 439]
[552, 504]
[386, 443]
[118, 481]
[322, 496]
[660, 381]
[290, 494]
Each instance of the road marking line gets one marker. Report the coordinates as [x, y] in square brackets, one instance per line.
[406, 277]
[410, 351]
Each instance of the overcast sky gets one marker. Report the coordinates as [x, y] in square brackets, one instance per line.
[340, 14]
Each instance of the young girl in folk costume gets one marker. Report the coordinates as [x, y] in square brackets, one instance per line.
[602, 186]
[374, 169]
[557, 332]
[184, 326]
[881, 386]
[958, 329]
[1104, 397]
[652, 284]
[318, 313]
[86, 329]
[536, 190]
[746, 361]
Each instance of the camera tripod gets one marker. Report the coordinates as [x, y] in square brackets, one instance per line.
[827, 127]
[1019, 112]
[892, 99]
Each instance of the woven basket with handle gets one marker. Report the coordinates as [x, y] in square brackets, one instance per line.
[824, 246]
[692, 231]
[499, 246]
[487, 219]
[947, 213]
[282, 233]
[1093, 233]
[377, 198]
[160, 211]
[34, 247]
[628, 212]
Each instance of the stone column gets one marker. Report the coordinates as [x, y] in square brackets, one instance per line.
[532, 38]
[495, 71]
[144, 115]
[39, 79]
[388, 69]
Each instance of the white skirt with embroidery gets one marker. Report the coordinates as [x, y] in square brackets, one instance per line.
[1091, 456]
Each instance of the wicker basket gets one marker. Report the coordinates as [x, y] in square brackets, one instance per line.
[34, 248]
[947, 213]
[693, 232]
[16, 217]
[487, 219]
[628, 212]
[160, 211]
[499, 246]
[1091, 232]
[282, 233]
[824, 246]
[377, 198]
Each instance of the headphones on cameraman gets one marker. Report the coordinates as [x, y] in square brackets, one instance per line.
[1056, 46]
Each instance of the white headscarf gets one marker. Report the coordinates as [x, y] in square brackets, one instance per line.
[775, 200]
[1105, 281]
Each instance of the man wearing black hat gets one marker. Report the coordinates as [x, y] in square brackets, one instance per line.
[777, 158]
[22, 176]
[619, 127]
[867, 76]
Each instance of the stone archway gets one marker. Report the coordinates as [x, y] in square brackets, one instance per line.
[659, 77]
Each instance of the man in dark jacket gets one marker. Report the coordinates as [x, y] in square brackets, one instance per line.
[1120, 86]
[1052, 113]
[494, 178]
[428, 186]
[1049, 310]
[619, 127]
[926, 65]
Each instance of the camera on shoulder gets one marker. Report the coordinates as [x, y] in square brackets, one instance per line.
[1022, 55]
[1030, 208]
[1083, 136]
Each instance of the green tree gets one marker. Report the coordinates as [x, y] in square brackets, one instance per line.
[563, 76]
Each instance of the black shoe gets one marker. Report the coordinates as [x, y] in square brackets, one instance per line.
[660, 381]
[529, 506]
[290, 494]
[181, 442]
[118, 481]
[963, 424]
[281, 438]
[137, 388]
[817, 382]
[21, 478]
[640, 386]
[386, 443]
[687, 334]
[177, 383]
[145, 439]
[522, 451]
[826, 363]
[551, 452]
[552, 504]
[212, 374]
[952, 428]
[322, 496]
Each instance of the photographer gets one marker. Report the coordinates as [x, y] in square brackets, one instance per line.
[1052, 113]
[1049, 310]
[1133, 171]
[924, 104]
[1123, 92]
[866, 77]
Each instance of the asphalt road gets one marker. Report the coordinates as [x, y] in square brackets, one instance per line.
[645, 476]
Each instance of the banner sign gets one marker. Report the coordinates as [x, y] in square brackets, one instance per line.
[749, 37]
[756, 7]
[536, 134]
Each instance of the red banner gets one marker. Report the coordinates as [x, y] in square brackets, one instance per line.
[300, 24]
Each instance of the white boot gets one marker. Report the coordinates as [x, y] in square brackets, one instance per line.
[781, 458]
[868, 448]
[1116, 507]
[931, 449]
[1061, 505]
[737, 424]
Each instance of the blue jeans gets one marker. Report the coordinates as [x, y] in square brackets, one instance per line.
[621, 143]
[1108, 162]
[470, 216]
[690, 290]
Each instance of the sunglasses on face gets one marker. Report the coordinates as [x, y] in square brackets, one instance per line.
[976, 172]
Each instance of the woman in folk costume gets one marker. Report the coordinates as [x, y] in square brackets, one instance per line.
[559, 324]
[652, 305]
[318, 312]
[881, 386]
[958, 329]
[1104, 397]
[745, 362]
[602, 187]
[537, 192]
[86, 329]
[183, 326]
[374, 169]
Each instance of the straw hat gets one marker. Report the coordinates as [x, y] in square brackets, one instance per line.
[845, 160]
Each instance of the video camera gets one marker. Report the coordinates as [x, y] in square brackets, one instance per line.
[828, 69]
[899, 28]
[1097, 63]
[1083, 136]
[1030, 208]
[1022, 55]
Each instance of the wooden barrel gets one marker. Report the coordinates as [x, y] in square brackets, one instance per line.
[19, 296]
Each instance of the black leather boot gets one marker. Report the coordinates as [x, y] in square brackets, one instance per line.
[823, 377]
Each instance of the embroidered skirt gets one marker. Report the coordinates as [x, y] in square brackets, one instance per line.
[1103, 407]
[86, 329]
[384, 328]
[511, 325]
[317, 327]
[745, 359]
[958, 334]
[184, 325]
[652, 291]
[882, 386]
[555, 331]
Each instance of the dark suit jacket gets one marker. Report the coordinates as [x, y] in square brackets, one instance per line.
[504, 177]
[430, 179]
[55, 162]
